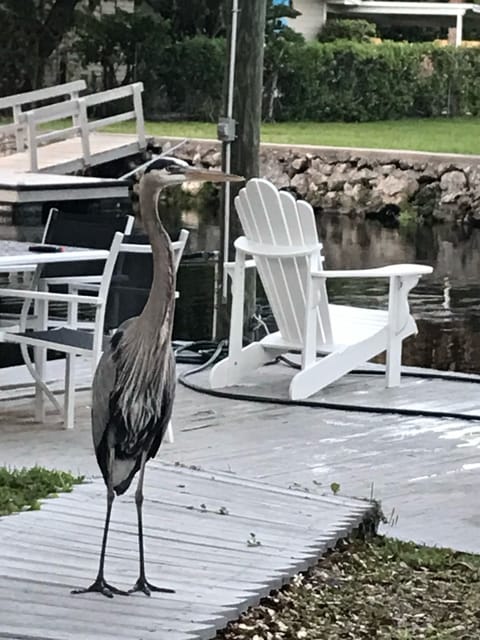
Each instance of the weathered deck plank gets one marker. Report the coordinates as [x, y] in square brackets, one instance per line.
[203, 554]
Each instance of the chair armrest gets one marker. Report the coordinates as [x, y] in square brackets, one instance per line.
[274, 251]
[70, 279]
[230, 266]
[25, 294]
[401, 270]
[84, 286]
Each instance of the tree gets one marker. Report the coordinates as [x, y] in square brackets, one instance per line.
[192, 18]
[127, 46]
[278, 37]
[31, 31]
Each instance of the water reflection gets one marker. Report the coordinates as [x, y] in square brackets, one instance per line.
[445, 304]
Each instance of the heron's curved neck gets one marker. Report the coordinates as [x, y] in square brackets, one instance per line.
[158, 310]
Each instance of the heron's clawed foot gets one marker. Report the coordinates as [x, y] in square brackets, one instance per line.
[100, 586]
[146, 587]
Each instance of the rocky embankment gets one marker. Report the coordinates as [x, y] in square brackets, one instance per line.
[435, 187]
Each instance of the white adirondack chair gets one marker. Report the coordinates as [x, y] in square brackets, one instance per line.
[281, 235]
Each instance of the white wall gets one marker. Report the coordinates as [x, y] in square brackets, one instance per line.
[312, 18]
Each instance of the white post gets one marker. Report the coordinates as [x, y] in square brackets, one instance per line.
[309, 352]
[84, 132]
[32, 141]
[70, 362]
[75, 95]
[394, 345]
[235, 344]
[40, 360]
[139, 119]
[19, 130]
[459, 30]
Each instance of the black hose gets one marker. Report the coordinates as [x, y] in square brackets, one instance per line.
[336, 406]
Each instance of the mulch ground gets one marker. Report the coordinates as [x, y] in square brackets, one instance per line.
[378, 589]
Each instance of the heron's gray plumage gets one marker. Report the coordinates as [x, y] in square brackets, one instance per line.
[134, 384]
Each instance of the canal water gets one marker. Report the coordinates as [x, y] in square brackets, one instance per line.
[445, 304]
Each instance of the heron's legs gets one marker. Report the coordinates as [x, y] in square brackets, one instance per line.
[100, 585]
[142, 583]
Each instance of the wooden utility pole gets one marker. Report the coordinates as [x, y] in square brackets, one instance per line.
[247, 97]
[247, 113]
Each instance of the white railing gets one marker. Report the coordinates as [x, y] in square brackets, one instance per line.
[76, 109]
[17, 102]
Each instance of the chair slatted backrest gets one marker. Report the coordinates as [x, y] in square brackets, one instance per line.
[93, 230]
[275, 219]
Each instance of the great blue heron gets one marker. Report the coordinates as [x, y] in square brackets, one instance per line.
[134, 384]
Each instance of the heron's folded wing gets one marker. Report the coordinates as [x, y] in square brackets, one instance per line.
[102, 388]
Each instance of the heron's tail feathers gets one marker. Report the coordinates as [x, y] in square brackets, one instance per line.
[123, 472]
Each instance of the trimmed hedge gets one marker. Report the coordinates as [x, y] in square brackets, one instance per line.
[329, 81]
[353, 81]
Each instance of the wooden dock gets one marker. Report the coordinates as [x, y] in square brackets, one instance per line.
[68, 136]
[221, 541]
[269, 466]
[425, 471]
[67, 156]
[21, 188]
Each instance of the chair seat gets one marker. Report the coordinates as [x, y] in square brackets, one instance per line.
[74, 338]
[349, 325]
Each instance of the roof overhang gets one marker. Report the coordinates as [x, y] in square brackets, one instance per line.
[377, 8]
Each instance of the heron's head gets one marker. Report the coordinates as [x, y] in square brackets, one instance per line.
[166, 171]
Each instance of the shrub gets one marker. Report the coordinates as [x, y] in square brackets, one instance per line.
[194, 85]
[353, 81]
[21, 489]
[354, 30]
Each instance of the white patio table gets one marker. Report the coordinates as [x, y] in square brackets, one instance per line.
[16, 256]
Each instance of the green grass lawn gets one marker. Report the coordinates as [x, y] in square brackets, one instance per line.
[448, 135]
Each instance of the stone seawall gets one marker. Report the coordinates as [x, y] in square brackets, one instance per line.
[365, 182]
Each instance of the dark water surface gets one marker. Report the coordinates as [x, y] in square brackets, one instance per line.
[446, 304]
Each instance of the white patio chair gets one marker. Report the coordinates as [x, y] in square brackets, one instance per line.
[281, 235]
[125, 289]
[68, 339]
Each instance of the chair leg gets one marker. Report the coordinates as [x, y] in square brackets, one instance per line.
[169, 433]
[39, 358]
[69, 402]
[232, 369]
[394, 363]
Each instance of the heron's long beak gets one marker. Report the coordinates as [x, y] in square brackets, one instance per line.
[194, 174]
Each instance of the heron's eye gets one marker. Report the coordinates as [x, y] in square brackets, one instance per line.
[175, 168]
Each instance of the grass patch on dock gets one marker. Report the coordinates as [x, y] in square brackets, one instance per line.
[442, 135]
[383, 588]
[22, 489]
